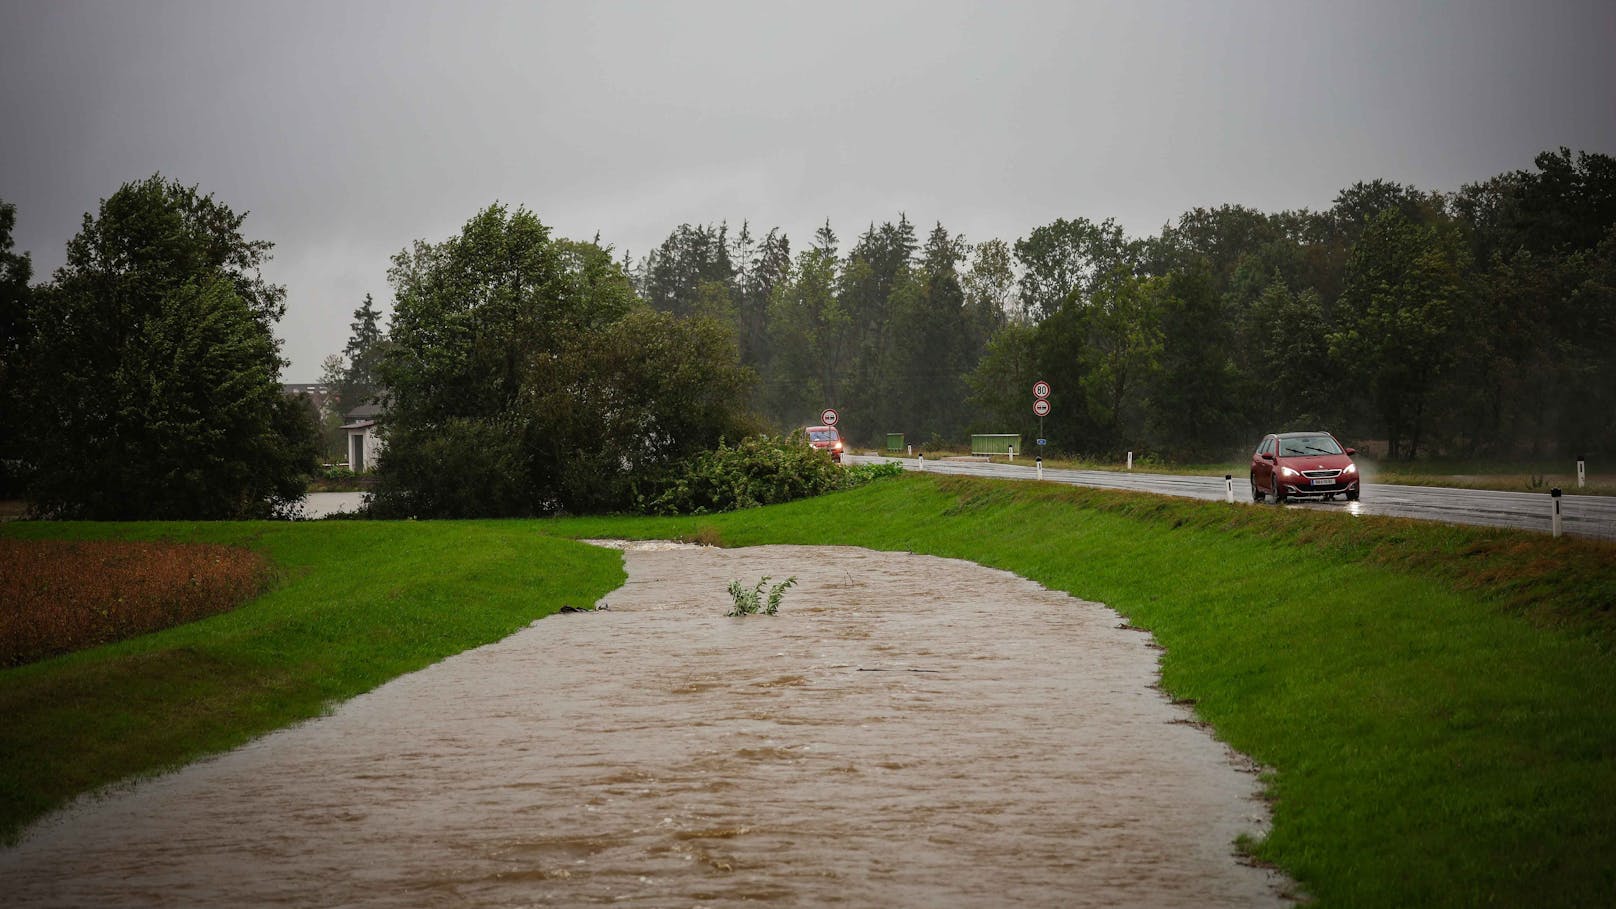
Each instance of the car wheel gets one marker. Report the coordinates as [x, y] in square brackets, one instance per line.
[1352, 495]
[1279, 489]
[1256, 493]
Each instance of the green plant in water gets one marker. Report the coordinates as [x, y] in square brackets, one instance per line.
[750, 602]
[776, 592]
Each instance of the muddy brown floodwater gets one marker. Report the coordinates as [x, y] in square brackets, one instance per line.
[908, 731]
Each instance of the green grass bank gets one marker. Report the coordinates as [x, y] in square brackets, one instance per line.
[1437, 704]
[355, 604]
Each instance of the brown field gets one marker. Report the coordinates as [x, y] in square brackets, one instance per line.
[57, 596]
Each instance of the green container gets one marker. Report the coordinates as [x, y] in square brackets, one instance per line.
[894, 441]
[995, 443]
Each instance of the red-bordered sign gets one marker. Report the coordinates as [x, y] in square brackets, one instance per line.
[1041, 407]
[1040, 389]
[829, 416]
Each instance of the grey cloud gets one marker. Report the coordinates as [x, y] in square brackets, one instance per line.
[351, 129]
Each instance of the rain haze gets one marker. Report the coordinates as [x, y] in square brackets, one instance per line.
[349, 130]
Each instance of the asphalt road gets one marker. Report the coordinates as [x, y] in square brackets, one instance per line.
[1583, 516]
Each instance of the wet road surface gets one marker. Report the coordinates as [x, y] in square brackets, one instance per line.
[1584, 516]
[909, 731]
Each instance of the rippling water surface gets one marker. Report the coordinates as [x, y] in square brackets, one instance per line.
[909, 731]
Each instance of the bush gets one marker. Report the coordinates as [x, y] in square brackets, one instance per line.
[465, 469]
[750, 602]
[860, 474]
[760, 470]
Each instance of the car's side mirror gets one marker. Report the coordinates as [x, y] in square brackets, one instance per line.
[1352, 451]
[1267, 457]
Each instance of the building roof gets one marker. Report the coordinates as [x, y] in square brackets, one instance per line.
[364, 412]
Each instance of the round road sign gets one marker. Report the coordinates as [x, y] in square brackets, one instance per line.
[829, 416]
[1041, 407]
[1040, 389]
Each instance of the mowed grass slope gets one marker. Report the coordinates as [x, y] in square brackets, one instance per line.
[355, 604]
[1437, 705]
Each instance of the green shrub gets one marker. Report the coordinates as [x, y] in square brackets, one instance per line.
[760, 470]
[336, 472]
[859, 474]
[464, 468]
[750, 602]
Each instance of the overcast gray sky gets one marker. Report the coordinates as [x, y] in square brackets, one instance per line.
[350, 129]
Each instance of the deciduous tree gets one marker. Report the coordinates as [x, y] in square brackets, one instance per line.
[524, 377]
[1396, 315]
[152, 385]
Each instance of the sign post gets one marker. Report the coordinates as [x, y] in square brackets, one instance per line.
[1040, 406]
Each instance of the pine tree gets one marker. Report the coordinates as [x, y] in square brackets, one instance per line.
[363, 355]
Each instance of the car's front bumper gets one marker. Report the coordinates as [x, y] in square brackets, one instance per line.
[1305, 486]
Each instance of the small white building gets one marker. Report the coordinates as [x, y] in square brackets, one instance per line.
[364, 444]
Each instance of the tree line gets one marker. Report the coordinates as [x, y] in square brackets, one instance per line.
[1479, 322]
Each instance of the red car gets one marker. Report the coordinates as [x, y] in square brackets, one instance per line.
[1298, 464]
[826, 438]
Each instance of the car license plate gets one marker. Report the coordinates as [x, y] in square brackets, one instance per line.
[1321, 481]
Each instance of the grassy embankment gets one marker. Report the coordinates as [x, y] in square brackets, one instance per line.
[355, 604]
[1438, 704]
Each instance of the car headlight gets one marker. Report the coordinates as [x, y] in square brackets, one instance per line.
[1286, 472]
[1351, 468]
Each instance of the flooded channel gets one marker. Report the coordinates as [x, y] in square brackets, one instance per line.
[908, 731]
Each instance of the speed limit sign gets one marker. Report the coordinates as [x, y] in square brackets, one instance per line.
[1040, 390]
[1041, 407]
[829, 416]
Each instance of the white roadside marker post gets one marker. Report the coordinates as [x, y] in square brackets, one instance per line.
[1554, 521]
[922, 461]
[1012, 450]
[1040, 467]
[1582, 471]
[1130, 460]
[1228, 484]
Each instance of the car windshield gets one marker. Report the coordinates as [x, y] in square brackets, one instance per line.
[1308, 445]
[822, 435]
